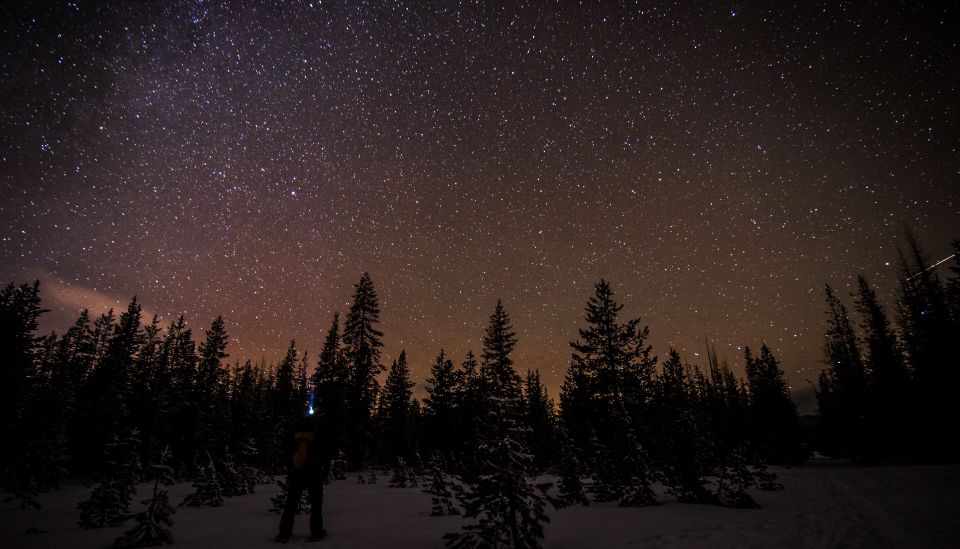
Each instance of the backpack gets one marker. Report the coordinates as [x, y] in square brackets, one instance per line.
[302, 455]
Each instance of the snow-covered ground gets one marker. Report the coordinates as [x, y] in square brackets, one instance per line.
[823, 506]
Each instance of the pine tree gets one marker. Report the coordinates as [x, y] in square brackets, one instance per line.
[469, 395]
[499, 341]
[401, 474]
[229, 479]
[724, 407]
[179, 360]
[501, 493]
[20, 313]
[287, 407]
[774, 415]
[331, 386]
[441, 406]
[153, 523]
[609, 389]
[847, 380]
[210, 394]
[633, 466]
[39, 450]
[338, 467]
[571, 491]
[247, 416]
[438, 488]
[929, 332]
[605, 480]
[577, 404]
[207, 491]
[888, 377]
[362, 342]
[683, 458]
[396, 418]
[733, 479]
[109, 503]
[503, 496]
[108, 408]
[539, 416]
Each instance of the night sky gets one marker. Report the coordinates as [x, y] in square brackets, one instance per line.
[717, 162]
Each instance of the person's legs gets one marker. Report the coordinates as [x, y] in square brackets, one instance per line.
[316, 512]
[294, 493]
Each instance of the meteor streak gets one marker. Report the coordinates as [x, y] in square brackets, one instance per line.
[934, 266]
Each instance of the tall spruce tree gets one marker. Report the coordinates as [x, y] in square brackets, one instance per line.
[499, 341]
[108, 411]
[846, 383]
[539, 417]
[19, 318]
[331, 385]
[362, 342]
[287, 406]
[396, 420]
[929, 332]
[683, 449]
[440, 407]
[469, 403]
[613, 368]
[210, 394]
[776, 426]
[889, 381]
[179, 361]
[501, 491]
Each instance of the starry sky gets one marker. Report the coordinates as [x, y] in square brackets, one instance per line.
[717, 162]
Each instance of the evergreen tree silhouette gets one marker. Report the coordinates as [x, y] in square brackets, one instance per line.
[153, 523]
[210, 393]
[889, 381]
[362, 343]
[396, 421]
[774, 415]
[683, 448]
[110, 382]
[179, 360]
[286, 405]
[499, 341]
[109, 503]
[470, 395]
[539, 417]
[843, 415]
[929, 332]
[85, 445]
[331, 385]
[207, 491]
[500, 492]
[440, 408]
[611, 382]
[19, 318]
[439, 489]
[571, 472]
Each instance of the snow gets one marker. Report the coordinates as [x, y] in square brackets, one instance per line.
[827, 505]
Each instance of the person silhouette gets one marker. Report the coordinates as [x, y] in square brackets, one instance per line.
[308, 466]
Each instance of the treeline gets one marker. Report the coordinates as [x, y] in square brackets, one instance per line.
[889, 392]
[113, 393]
